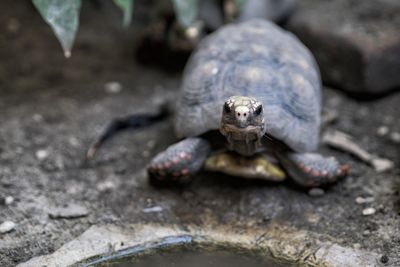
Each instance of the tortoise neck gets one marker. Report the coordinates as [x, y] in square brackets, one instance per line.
[244, 147]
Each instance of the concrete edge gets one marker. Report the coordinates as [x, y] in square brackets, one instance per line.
[281, 242]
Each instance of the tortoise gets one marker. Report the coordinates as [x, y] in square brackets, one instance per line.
[253, 88]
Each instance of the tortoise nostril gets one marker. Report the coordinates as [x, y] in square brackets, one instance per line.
[239, 114]
[244, 114]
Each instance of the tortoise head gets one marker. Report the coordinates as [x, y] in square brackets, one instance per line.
[242, 123]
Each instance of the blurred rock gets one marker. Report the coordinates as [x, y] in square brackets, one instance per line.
[42, 154]
[69, 211]
[356, 43]
[275, 10]
[363, 200]
[106, 186]
[8, 200]
[316, 192]
[395, 137]
[113, 87]
[382, 131]
[7, 226]
[368, 211]
[153, 209]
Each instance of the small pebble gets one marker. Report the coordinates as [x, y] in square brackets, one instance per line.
[151, 144]
[106, 186]
[362, 200]
[37, 117]
[8, 200]
[368, 211]
[382, 165]
[316, 192]
[395, 137]
[367, 232]
[387, 119]
[357, 245]
[69, 211]
[73, 141]
[153, 209]
[192, 32]
[19, 150]
[13, 25]
[113, 87]
[67, 53]
[382, 131]
[42, 154]
[7, 226]
[146, 153]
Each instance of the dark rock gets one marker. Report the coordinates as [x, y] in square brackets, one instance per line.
[356, 43]
[384, 259]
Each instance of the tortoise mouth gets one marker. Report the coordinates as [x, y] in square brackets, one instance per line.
[244, 141]
[245, 133]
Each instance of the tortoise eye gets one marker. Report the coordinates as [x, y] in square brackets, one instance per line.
[227, 109]
[258, 110]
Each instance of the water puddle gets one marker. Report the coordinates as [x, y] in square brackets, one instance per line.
[182, 251]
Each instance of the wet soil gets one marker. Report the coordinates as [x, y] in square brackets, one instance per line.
[52, 108]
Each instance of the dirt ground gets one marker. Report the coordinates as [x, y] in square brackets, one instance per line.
[52, 108]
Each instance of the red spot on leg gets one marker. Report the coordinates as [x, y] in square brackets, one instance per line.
[345, 168]
[315, 173]
[167, 165]
[185, 171]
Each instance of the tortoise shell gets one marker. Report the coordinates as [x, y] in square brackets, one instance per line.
[258, 59]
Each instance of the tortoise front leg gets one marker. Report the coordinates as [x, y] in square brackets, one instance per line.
[311, 169]
[179, 162]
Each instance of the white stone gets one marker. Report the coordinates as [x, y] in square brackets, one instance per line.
[37, 117]
[382, 130]
[106, 186]
[113, 87]
[7, 226]
[395, 137]
[362, 200]
[69, 211]
[382, 165]
[42, 154]
[9, 200]
[153, 209]
[368, 211]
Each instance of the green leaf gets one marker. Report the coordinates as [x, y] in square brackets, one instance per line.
[186, 11]
[63, 18]
[127, 7]
[240, 4]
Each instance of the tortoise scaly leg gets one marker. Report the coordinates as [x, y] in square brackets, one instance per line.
[311, 169]
[179, 162]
